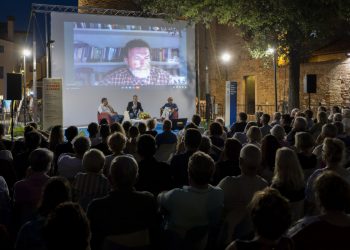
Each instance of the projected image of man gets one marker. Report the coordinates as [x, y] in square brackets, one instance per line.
[138, 70]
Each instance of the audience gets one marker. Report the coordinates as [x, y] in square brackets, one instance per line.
[316, 129]
[167, 136]
[265, 128]
[103, 145]
[254, 136]
[151, 125]
[56, 137]
[269, 146]
[215, 134]
[304, 144]
[66, 147]
[239, 126]
[116, 144]
[93, 133]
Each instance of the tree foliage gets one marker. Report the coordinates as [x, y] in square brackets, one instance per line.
[293, 26]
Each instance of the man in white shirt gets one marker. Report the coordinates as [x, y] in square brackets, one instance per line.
[106, 108]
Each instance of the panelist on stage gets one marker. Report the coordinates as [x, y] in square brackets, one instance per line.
[106, 108]
[169, 110]
[134, 107]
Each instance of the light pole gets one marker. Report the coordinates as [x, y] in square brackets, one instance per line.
[273, 51]
[26, 53]
[226, 58]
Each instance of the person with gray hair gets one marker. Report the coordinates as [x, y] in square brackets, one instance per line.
[276, 119]
[69, 165]
[299, 125]
[278, 132]
[236, 217]
[124, 210]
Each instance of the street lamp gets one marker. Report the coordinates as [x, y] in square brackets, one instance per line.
[226, 58]
[25, 53]
[273, 51]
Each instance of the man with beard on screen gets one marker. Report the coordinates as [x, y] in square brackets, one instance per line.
[138, 70]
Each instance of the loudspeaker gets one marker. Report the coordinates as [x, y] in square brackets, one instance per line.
[14, 86]
[310, 84]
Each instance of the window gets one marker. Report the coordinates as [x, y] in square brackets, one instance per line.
[1, 72]
[2, 49]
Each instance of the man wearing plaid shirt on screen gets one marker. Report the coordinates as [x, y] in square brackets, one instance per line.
[139, 71]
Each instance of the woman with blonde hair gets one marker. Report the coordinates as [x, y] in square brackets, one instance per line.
[289, 180]
[254, 136]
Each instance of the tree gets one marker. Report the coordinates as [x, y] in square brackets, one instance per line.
[294, 27]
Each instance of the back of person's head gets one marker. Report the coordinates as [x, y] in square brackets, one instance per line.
[337, 117]
[205, 145]
[265, 118]
[56, 136]
[309, 114]
[250, 159]
[133, 132]
[340, 127]
[232, 149]
[40, 160]
[200, 168]
[249, 124]
[270, 213]
[167, 125]
[123, 172]
[103, 121]
[300, 123]
[294, 112]
[215, 129]
[126, 125]
[277, 116]
[254, 134]
[286, 119]
[322, 117]
[196, 119]
[32, 139]
[332, 192]
[116, 127]
[56, 191]
[105, 131]
[28, 129]
[329, 131]
[288, 172]
[34, 125]
[193, 139]
[243, 116]
[269, 146]
[67, 227]
[81, 144]
[258, 114]
[304, 141]
[116, 142]
[321, 108]
[2, 130]
[278, 132]
[336, 109]
[92, 129]
[151, 124]
[71, 132]
[142, 127]
[220, 120]
[333, 151]
[300, 113]
[191, 125]
[146, 145]
[93, 161]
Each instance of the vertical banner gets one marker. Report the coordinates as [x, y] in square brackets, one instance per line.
[52, 103]
[230, 103]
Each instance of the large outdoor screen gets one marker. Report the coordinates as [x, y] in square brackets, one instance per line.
[117, 57]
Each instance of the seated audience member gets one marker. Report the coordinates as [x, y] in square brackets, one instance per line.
[179, 162]
[299, 125]
[196, 120]
[334, 110]
[254, 136]
[67, 227]
[341, 133]
[7, 143]
[56, 191]
[215, 134]
[124, 210]
[44, 135]
[116, 144]
[286, 123]
[239, 126]
[242, 136]
[265, 128]
[56, 137]
[196, 205]
[32, 141]
[154, 176]
[333, 153]
[117, 127]
[142, 127]
[151, 125]
[331, 228]
[131, 142]
[7, 170]
[93, 133]
[304, 144]
[221, 121]
[229, 163]
[271, 217]
[69, 165]
[276, 119]
[6, 206]
[288, 179]
[126, 126]
[236, 219]
[92, 184]
[269, 146]
[316, 129]
[328, 131]
[258, 115]
[309, 118]
[207, 147]
[167, 136]
[180, 147]
[103, 145]
[67, 147]
[278, 132]
[27, 192]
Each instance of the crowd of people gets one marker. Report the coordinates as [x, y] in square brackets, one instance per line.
[279, 183]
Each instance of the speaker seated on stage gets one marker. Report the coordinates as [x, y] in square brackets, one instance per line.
[134, 107]
[106, 111]
[169, 110]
